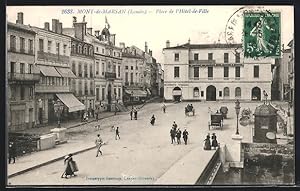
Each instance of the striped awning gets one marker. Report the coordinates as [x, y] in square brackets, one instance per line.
[49, 71]
[65, 72]
[71, 102]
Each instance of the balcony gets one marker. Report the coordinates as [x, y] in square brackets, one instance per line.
[35, 77]
[110, 75]
[202, 62]
[52, 57]
[44, 88]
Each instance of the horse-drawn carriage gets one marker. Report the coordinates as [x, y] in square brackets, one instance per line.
[216, 121]
[189, 110]
[224, 111]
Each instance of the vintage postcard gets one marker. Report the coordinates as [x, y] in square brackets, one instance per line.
[150, 95]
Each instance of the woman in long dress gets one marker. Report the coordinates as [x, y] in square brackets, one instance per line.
[207, 145]
[68, 170]
[214, 142]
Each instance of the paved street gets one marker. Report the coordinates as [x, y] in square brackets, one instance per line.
[144, 153]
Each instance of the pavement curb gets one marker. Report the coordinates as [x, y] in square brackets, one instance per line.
[48, 162]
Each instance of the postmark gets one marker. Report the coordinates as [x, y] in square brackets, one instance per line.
[261, 34]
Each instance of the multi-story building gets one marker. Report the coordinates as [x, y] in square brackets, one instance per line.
[159, 81]
[108, 78]
[53, 94]
[82, 64]
[214, 72]
[291, 72]
[22, 75]
[132, 73]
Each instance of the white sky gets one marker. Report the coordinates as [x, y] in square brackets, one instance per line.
[153, 27]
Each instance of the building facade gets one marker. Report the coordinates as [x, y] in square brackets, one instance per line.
[214, 72]
[22, 75]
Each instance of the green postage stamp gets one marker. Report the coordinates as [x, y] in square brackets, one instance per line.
[261, 34]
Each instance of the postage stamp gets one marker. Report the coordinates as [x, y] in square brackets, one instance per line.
[261, 34]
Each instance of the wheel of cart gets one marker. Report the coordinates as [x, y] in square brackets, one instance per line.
[216, 121]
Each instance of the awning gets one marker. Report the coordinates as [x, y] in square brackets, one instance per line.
[137, 93]
[49, 71]
[65, 72]
[71, 102]
[149, 92]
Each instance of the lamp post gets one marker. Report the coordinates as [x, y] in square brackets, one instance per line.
[131, 98]
[237, 110]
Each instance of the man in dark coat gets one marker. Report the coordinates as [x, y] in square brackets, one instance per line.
[185, 136]
[178, 136]
[11, 152]
[172, 134]
[117, 133]
[131, 113]
[135, 114]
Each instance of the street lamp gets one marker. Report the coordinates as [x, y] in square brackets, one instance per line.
[237, 110]
[131, 98]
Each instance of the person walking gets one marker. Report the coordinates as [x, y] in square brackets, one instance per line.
[98, 143]
[131, 113]
[174, 125]
[214, 143]
[70, 168]
[135, 114]
[152, 120]
[207, 145]
[172, 134]
[178, 136]
[11, 152]
[117, 133]
[164, 107]
[185, 136]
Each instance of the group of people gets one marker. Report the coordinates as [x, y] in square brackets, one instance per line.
[176, 132]
[133, 113]
[213, 144]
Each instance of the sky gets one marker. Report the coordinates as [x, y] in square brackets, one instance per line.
[135, 25]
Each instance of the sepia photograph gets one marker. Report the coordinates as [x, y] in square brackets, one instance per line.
[150, 95]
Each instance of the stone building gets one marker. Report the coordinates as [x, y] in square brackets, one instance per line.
[54, 98]
[214, 72]
[22, 75]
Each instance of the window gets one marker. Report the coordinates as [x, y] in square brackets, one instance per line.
[196, 92]
[79, 49]
[73, 68]
[30, 46]
[49, 45]
[30, 67]
[202, 93]
[114, 68]
[57, 48]
[103, 93]
[237, 71]
[22, 45]
[22, 68]
[92, 88]
[196, 72]
[91, 71]
[102, 51]
[136, 67]
[126, 76]
[237, 58]
[22, 96]
[12, 43]
[226, 57]
[226, 72]
[119, 92]
[103, 69]
[31, 92]
[196, 56]
[80, 70]
[86, 92]
[65, 49]
[41, 45]
[131, 77]
[97, 94]
[12, 67]
[73, 50]
[256, 71]
[238, 92]
[226, 92]
[210, 56]
[210, 72]
[176, 72]
[119, 71]
[126, 67]
[97, 49]
[85, 70]
[131, 67]
[176, 56]
[97, 68]
[220, 93]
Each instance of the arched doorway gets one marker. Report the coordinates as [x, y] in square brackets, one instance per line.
[255, 94]
[177, 93]
[211, 93]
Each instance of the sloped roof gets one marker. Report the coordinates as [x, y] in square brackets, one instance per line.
[20, 26]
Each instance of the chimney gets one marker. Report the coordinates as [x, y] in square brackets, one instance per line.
[74, 20]
[122, 45]
[20, 19]
[80, 30]
[150, 52]
[89, 31]
[54, 25]
[59, 28]
[168, 44]
[47, 26]
[97, 32]
[189, 41]
[146, 47]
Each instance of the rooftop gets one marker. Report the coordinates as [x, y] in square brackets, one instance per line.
[205, 46]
